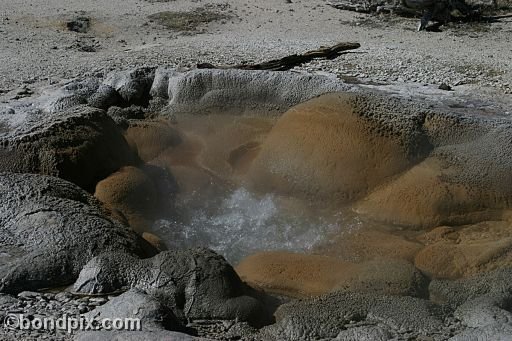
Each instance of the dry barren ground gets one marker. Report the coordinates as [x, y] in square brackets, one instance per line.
[36, 47]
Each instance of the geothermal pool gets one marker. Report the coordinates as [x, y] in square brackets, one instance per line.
[217, 205]
[238, 223]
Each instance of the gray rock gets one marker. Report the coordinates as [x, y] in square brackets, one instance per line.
[69, 95]
[50, 228]
[6, 301]
[137, 304]
[133, 85]
[494, 332]
[327, 316]
[129, 113]
[494, 285]
[484, 311]
[197, 91]
[160, 86]
[196, 283]
[134, 336]
[366, 333]
[82, 145]
[79, 24]
[104, 97]
[482, 303]
[236, 92]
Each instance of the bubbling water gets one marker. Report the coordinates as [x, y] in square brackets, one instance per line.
[239, 223]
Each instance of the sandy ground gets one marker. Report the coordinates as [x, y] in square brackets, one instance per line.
[36, 49]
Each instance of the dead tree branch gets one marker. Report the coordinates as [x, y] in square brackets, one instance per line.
[289, 62]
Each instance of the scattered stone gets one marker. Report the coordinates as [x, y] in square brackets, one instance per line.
[79, 24]
[445, 87]
[24, 91]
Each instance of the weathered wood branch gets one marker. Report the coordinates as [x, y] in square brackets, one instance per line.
[289, 62]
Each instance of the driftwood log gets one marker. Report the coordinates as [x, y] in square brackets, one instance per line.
[289, 62]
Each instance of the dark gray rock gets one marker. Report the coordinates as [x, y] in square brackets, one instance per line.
[495, 284]
[329, 315]
[104, 97]
[485, 311]
[133, 85]
[79, 24]
[82, 145]
[129, 113]
[6, 301]
[482, 303]
[50, 228]
[195, 283]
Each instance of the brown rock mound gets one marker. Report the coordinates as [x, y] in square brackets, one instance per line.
[463, 251]
[465, 180]
[427, 196]
[369, 244]
[336, 146]
[135, 193]
[150, 138]
[301, 275]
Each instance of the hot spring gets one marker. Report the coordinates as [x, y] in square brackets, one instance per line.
[339, 181]
[239, 223]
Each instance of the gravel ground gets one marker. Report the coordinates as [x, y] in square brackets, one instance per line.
[55, 306]
[52, 306]
[36, 48]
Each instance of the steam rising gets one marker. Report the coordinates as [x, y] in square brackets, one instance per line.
[241, 223]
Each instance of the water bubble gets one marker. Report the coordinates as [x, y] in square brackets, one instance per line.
[240, 223]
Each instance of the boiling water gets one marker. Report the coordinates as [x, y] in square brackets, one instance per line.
[239, 223]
